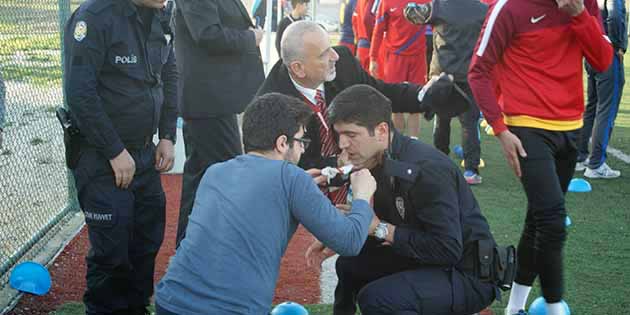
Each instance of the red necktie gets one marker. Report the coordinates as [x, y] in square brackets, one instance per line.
[329, 147]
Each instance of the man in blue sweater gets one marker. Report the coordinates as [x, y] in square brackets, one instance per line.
[246, 211]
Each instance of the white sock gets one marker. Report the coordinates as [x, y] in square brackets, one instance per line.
[555, 309]
[518, 298]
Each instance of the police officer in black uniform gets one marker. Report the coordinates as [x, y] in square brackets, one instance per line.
[120, 83]
[421, 258]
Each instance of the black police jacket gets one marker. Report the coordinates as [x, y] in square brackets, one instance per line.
[217, 56]
[456, 26]
[120, 83]
[437, 218]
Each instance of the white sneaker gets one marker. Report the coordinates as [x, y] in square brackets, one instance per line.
[581, 166]
[603, 171]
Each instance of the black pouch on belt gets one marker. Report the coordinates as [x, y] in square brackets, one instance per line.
[505, 266]
[71, 137]
[496, 264]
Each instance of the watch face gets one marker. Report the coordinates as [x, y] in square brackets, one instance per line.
[381, 232]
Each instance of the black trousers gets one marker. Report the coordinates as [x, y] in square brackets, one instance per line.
[546, 173]
[427, 290]
[125, 229]
[207, 141]
[470, 133]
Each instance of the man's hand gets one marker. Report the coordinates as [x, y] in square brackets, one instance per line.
[124, 168]
[373, 68]
[164, 155]
[571, 7]
[363, 185]
[512, 148]
[316, 254]
[417, 13]
[318, 178]
[258, 32]
[620, 54]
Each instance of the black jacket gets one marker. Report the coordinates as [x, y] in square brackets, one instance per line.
[217, 56]
[120, 83]
[456, 26]
[437, 218]
[404, 97]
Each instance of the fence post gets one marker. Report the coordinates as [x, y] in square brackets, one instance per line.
[64, 15]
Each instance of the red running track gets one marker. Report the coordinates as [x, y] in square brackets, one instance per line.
[296, 282]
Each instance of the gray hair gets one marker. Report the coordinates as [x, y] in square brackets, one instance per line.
[292, 42]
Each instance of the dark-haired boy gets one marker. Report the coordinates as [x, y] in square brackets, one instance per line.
[300, 10]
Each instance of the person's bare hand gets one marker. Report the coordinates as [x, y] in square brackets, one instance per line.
[512, 149]
[620, 54]
[258, 32]
[571, 7]
[316, 254]
[318, 178]
[164, 155]
[124, 168]
[363, 184]
[373, 68]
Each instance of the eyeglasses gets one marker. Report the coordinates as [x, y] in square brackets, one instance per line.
[304, 141]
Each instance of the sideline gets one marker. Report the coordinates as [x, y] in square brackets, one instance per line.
[618, 154]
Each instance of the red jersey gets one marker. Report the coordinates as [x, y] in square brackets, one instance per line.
[401, 37]
[363, 21]
[534, 52]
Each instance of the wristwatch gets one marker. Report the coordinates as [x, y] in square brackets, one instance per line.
[381, 231]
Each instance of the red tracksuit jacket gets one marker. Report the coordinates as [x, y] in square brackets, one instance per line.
[533, 53]
[401, 37]
[363, 22]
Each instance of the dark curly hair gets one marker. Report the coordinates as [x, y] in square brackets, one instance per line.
[270, 116]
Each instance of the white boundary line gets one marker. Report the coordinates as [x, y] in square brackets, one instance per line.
[618, 154]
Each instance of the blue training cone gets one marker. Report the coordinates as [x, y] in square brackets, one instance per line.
[30, 277]
[538, 307]
[567, 221]
[289, 308]
[579, 185]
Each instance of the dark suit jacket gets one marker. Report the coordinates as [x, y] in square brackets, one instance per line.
[219, 63]
[404, 97]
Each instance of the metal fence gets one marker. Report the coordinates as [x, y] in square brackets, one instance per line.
[36, 196]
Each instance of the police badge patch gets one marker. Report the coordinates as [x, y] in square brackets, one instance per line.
[80, 31]
[400, 206]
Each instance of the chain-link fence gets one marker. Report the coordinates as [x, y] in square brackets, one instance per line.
[35, 195]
